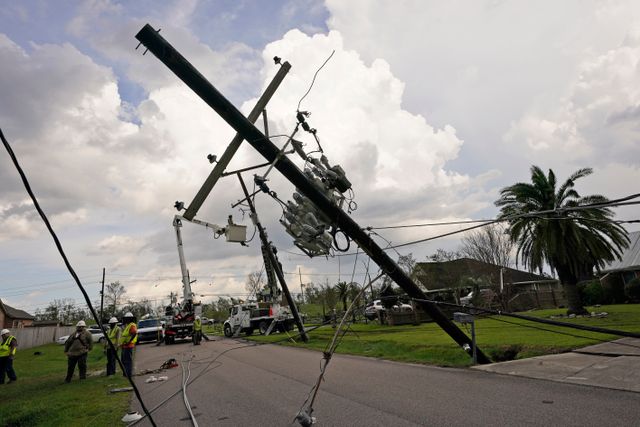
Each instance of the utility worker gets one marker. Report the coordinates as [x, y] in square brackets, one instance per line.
[113, 336]
[197, 331]
[76, 348]
[128, 342]
[8, 346]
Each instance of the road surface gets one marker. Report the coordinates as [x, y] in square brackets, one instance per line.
[266, 385]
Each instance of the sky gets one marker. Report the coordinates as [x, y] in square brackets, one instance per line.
[430, 108]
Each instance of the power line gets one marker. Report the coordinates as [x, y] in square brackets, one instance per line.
[58, 245]
[314, 79]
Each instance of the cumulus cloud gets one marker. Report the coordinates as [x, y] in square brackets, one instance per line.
[595, 123]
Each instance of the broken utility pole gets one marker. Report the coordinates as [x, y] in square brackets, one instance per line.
[155, 43]
[275, 265]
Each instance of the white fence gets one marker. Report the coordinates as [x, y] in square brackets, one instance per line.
[39, 335]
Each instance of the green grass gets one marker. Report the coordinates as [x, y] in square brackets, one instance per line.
[427, 343]
[41, 398]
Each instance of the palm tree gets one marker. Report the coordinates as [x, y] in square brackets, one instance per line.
[571, 241]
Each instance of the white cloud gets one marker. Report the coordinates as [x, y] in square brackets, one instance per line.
[596, 122]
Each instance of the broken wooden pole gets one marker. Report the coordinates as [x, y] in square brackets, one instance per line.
[166, 53]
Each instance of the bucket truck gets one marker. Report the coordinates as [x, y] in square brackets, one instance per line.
[181, 315]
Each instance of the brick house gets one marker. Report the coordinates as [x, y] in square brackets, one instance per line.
[14, 318]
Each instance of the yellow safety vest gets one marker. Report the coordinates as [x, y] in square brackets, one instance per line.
[5, 349]
[126, 336]
[113, 335]
[197, 325]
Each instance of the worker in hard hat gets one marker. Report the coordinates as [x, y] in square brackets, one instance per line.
[197, 331]
[113, 337]
[8, 346]
[128, 341]
[76, 348]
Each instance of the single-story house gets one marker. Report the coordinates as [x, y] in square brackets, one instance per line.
[14, 318]
[521, 290]
[618, 273]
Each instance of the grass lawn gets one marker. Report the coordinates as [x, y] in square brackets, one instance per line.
[41, 398]
[427, 343]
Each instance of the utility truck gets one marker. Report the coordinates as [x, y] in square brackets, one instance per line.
[179, 316]
[248, 317]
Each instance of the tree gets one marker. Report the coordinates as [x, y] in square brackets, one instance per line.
[113, 293]
[571, 242]
[443, 255]
[254, 283]
[342, 288]
[408, 264]
[490, 244]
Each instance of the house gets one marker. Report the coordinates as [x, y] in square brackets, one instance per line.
[519, 290]
[14, 318]
[620, 272]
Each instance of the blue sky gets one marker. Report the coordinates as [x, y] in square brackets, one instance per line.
[431, 108]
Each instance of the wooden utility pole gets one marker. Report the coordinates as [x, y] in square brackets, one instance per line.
[166, 53]
[301, 289]
[102, 298]
[273, 260]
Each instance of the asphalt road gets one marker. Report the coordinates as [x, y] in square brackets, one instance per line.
[266, 386]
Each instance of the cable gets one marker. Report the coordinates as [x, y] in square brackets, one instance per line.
[614, 203]
[314, 79]
[428, 224]
[27, 186]
[562, 333]
[214, 360]
[184, 392]
[304, 415]
[535, 319]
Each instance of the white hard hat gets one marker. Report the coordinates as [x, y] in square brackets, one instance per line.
[113, 320]
[128, 314]
[5, 331]
[81, 323]
[198, 317]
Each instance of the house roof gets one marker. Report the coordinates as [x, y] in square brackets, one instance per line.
[15, 313]
[630, 256]
[447, 274]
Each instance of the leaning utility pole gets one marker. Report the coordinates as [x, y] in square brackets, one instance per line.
[275, 265]
[155, 43]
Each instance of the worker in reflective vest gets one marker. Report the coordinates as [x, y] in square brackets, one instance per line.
[197, 331]
[127, 343]
[7, 352]
[113, 336]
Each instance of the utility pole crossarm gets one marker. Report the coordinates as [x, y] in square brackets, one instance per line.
[233, 146]
[155, 43]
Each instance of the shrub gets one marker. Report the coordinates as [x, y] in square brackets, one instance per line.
[592, 293]
[632, 290]
[505, 353]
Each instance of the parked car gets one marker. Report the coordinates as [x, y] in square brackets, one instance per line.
[207, 321]
[150, 330]
[371, 310]
[96, 334]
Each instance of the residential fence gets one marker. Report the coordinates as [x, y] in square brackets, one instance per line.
[39, 335]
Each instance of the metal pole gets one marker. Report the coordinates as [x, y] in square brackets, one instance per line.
[156, 44]
[102, 298]
[224, 160]
[274, 263]
[473, 342]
